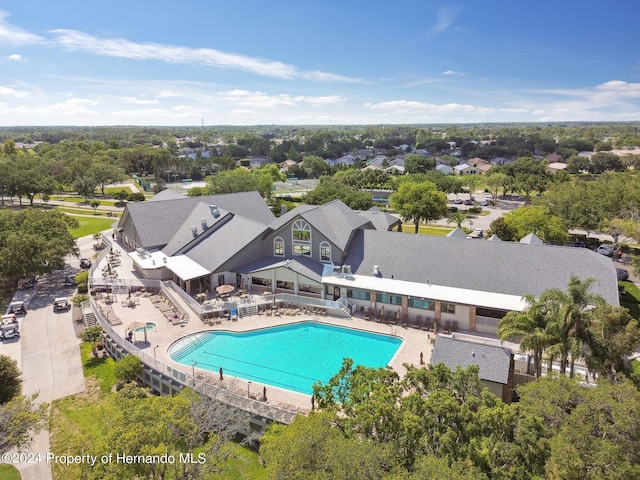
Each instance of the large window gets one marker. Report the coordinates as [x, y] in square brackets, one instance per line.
[278, 247]
[301, 235]
[262, 282]
[325, 252]
[284, 285]
[359, 294]
[316, 289]
[421, 303]
[448, 308]
[387, 298]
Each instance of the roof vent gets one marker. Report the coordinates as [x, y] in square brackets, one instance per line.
[376, 270]
[194, 231]
[214, 211]
[203, 222]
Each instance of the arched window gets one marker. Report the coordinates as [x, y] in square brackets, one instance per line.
[278, 247]
[325, 252]
[301, 235]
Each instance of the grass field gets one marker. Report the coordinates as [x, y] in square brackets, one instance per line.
[631, 298]
[77, 418]
[426, 229]
[89, 226]
[9, 472]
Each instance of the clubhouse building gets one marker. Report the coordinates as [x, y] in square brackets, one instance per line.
[355, 258]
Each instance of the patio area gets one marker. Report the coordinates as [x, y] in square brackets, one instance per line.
[126, 300]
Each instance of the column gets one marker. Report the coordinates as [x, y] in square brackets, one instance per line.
[472, 318]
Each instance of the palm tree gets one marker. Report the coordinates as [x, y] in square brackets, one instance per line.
[530, 327]
[457, 217]
[571, 313]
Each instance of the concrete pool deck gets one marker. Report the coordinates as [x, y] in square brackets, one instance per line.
[415, 342]
[166, 333]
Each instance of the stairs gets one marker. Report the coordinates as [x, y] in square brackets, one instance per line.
[246, 310]
[89, 319]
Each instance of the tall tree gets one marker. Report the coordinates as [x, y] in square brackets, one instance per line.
[10, 381]
[529, 328]
[419, 202]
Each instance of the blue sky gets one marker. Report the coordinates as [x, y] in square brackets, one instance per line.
[324, 62]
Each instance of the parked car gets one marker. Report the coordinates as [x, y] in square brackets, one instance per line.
[17, 307]
[61, 304]
[468, 202]
[458, 201]
[605, 249]
[85, 263]
[485, 202]
[69, 281]
[476, 234]
[622, 274]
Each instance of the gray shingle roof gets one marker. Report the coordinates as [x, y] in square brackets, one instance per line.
[335, 220]
[457, 233]
[157, 222]
[494, 361]
[501, 267]
[225, 242]
[380, 220]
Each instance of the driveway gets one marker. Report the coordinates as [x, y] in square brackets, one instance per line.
[48, 354]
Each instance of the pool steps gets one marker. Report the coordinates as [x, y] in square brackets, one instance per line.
[191, 346]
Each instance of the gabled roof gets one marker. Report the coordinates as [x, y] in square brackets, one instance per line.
[230, 239]
[380, 220]
[532, 239]
[494, 361]
[457, 233]
[302, 265]
[166, 194]
[199, 224]
[158, 221]
[334, 220]
[500, 267]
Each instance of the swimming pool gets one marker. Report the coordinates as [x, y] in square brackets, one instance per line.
[148, 326]
[292, 356]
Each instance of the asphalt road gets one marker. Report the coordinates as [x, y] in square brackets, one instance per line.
[48, 354]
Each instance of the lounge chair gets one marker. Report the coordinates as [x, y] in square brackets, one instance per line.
[454, 325]
[418, 323]
[428, 324]
[447, 326]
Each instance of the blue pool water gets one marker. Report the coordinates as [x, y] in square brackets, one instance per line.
[148, 326]
[293, 356]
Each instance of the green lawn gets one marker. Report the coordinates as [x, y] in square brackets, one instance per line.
[631, 299]
[9, 472]
[89, 226]
[426, 229]
[84, 412]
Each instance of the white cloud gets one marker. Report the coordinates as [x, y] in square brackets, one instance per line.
[138, 101]
[446, 17]
[453, 72]
[122, 48]
[256, 99]
[16, 57]
[10, 35]
[409, 106]
[10, 92]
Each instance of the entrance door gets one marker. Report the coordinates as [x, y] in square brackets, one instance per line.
[336, 293]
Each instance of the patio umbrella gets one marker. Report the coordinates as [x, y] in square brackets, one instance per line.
[223, 289]
[135, 325]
